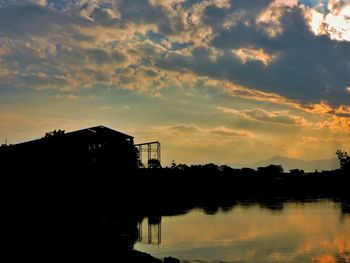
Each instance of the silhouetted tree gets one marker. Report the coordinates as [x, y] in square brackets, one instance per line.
[54, 133]
[297, 172]
[271, 170]
[140, 164]
[344, 159]
[246, 171]
[154, 163]
[173, 164]
[226, 169]
[210, 168]
[182, 167]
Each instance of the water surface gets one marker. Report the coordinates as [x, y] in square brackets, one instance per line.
[297, 232]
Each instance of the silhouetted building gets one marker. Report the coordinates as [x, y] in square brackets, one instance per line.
[96, 147]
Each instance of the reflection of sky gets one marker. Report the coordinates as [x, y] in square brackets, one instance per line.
[312, 232]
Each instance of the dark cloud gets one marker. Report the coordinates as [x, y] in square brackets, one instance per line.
[302, 66]
[40, 80]
[309, 68]
[23, 20]
[141, 11]
[118, 56]
[214, 16]
[254, 6]
[104, 16]
[99, 56]
[101, 76]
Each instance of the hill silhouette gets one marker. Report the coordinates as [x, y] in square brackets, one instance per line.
[293, 163]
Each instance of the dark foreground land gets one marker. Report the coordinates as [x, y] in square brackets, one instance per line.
[92, 215]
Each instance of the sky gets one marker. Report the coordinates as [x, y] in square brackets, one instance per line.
[223, 81]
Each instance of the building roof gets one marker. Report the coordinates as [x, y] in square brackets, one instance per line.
[100, 131]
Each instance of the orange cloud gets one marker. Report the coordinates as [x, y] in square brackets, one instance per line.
[343, 110]
[195, 129]
[224, 131]
[261, 115]
[244, 92]
[338, 117]
[194, 137]
[246, 54]
[270, 18]
[319, 108]
[324, 259]
[4, 72]
[336, 123]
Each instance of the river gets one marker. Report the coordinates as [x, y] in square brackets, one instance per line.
[312, 231]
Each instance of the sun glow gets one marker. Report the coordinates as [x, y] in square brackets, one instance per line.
[335, 24]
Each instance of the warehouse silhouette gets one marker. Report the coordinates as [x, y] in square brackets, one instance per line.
[96, 147]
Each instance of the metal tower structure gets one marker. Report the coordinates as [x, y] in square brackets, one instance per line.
[150, 149]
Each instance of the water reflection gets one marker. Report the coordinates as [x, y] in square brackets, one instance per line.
[281, 232]
[154, 230]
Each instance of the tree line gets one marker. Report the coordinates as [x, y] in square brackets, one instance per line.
[272, 169]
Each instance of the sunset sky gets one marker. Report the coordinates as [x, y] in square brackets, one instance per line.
[224, 81]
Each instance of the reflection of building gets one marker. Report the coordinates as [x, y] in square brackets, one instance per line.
[154, 230]
[96, 146]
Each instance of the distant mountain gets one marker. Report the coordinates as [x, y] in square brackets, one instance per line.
[291, 163]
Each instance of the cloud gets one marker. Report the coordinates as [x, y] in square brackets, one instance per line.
[4, 72]
[68, 97]
[183, 128]
[333, 21]
[193, 129]
[319, 108]
[261, 115]
[224, 131]
[119, 108]
[259, 49]
[323, 108]
[246, 54]
[35, 20]
[270, 18]
[336, 123]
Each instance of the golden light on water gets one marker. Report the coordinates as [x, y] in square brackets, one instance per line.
[310, 232]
